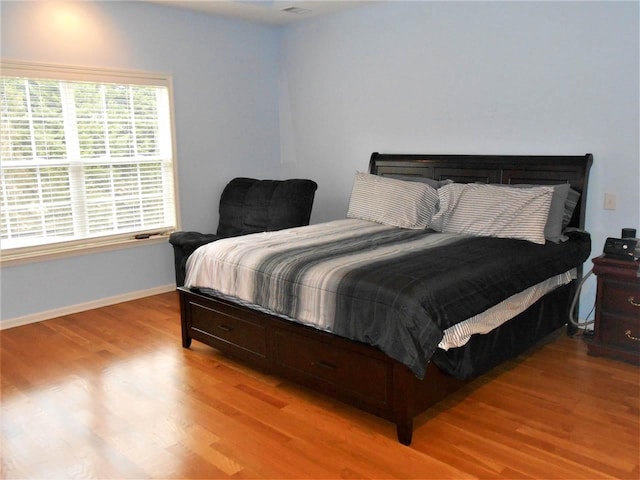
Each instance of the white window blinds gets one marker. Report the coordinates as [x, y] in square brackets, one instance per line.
[83, 162]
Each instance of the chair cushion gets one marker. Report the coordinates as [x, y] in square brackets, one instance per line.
[248, 205]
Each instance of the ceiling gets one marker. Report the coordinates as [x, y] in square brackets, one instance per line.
[270, 12]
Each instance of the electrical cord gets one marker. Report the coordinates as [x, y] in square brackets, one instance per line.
[575, 301]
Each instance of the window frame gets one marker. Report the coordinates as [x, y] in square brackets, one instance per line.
[61, 249]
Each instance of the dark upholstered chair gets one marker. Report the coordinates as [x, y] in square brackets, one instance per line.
[247, 206]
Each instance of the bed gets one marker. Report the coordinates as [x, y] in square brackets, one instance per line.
[385, 347]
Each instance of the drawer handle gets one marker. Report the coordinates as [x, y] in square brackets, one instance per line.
[631, 337]
[225, 328]
[633, 302]
[325, 365]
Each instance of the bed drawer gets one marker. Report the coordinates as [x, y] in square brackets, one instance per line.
[357, 376]
[224, 330]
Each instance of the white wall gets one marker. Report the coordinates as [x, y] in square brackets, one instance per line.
[477, 77]
[225, 78]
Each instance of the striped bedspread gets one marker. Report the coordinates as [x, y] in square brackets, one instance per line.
[396, 289]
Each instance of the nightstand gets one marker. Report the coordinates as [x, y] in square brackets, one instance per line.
[617, 325]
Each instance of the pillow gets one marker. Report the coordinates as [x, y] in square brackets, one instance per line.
[392, 202]
[563, 203]
[569, 206]
[494, 211]
[553, 228]
[416, 178]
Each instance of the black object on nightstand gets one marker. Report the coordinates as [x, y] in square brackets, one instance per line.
[617, 326]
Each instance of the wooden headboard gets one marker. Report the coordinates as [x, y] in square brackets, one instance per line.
[505, 169]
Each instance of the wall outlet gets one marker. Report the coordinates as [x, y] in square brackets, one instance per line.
[609, 201]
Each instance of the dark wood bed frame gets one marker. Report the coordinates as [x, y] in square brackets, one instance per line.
[350, 371]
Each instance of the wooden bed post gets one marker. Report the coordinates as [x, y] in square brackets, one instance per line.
[403, 396]
[405, 432]
[184, 319]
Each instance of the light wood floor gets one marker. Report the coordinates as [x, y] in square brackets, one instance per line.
[111, 393]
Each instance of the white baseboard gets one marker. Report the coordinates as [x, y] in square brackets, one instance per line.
[81, 307]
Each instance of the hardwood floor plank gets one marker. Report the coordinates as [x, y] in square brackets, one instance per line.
[111, 393]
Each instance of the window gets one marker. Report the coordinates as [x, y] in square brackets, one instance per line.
[86, 159]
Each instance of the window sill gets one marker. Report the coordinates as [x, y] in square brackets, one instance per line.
[54, 252]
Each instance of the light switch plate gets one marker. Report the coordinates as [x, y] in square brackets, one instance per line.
[609, 201]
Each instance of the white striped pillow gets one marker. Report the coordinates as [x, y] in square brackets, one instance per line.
[392, 202]
[494, 211]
